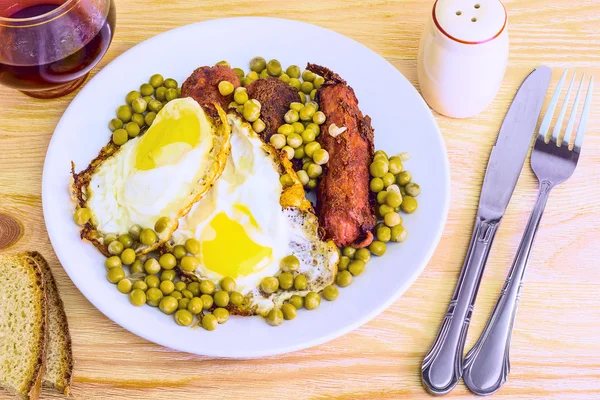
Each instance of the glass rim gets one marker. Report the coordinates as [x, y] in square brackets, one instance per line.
[42, 18]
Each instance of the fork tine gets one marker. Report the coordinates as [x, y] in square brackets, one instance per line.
[561, 114]
[584, 116]
[568, 132]
[543, 132]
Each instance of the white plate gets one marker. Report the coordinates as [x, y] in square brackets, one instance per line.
[402, 122]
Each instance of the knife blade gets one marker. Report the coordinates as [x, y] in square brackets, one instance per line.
[443, 365]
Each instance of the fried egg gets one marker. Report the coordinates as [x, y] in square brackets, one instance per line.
[161, 173]
[248, 222]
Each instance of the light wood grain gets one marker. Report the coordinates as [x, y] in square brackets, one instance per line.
[556, 343]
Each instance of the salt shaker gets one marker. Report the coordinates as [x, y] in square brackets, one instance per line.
[463, 55]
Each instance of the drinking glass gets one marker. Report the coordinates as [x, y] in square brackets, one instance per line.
[48, 47]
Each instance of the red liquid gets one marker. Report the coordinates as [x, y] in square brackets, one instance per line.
[51, 55]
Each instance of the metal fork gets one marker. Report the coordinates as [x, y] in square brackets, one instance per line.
[553, 161]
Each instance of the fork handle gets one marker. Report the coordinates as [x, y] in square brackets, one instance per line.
[442, 367]
[487, 364]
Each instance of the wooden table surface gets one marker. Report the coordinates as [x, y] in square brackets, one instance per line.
[555, 348]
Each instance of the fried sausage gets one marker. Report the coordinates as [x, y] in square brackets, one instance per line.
[275, 97]
[203, 86]
[345, 205]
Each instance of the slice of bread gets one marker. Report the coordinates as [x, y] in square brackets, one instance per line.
[59, 358]
[23, 326]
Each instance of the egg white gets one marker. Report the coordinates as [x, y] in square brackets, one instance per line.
[120, 195]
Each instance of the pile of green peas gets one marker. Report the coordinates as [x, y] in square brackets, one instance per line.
[141, 107]
[290, 279]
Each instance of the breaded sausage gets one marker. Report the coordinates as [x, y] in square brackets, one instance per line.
[275, 97]
[345, 205]
[203, 86]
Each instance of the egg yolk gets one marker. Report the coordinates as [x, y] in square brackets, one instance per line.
[168, 139]
[231, 252]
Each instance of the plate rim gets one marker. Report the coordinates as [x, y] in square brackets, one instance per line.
[336, 333]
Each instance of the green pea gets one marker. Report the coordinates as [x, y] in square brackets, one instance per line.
[194, 287]
[131, 96]
[289, 152]
[288, 311]
[189, 263]
[378, 169]
[171, 94]
[156, 80]
[344, 278]
[148, 237]
[223, 63]
[115, 248]
[376, 185]
[226, 88]
[391, 219]
[155, 105]
[314, 170]
[308, 76]
[132, 129]
[278, 141]
[314, 127]
[236, 299]
[152, 281]
[393, 199]
[318, 82]
[184, 318]
[207, 301]
[257, 64]
[115, 124]
[300, 282]
[168, 305]
[195, 305]
[251, 110]
[312, 183]
[313, 94]
[302, 97]
[290, 263]
[147, 99]
[146, 89]
[151, 266]
[298, 127]
[149, 118]
[170, 83]
[221, 314]
[137, 297]
[409, 204]
[312, 300]
[344, 262]
[209, 322]
[228, 284]
[294, 140]
[192, 246]
[124, 286]
[186, 293]
[154, 296]
[168, 275]
[388, 179]
[377, 248]
[275, 317]
[303, 176]
[397, 234]
[311, 147]
[179, 251]
[384, 209]
[259, 126]
[381, 196]
[363, 255]
[404, 178]
[221, 298]
[308, 136]
[160, 93]
[128, 256]
[299, 153]
[82, 216]
[293, 71]
[330, 293]
[207, 287]
[295, 83]
[356, 267]
[120, 137]
[306, 113]
[383, 234]
[286, 280]
[180, 286]
[269, 284]
[319, 118]
[274, 68]
[167, 287]
[412, 189]
[239, 72]
[113, 262]
[167, 261]
[141, 285]
[395, 165]
[183, 303]
[306, 87]
[320, 156]
[297, 301]
[286, 180]
[138, 119]
[349, 252]
[114, 275]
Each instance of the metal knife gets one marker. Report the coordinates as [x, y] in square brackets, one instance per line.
[443, 365]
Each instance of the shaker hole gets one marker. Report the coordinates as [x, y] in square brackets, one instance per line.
[473, 19]
[459, 13]
[477, 5]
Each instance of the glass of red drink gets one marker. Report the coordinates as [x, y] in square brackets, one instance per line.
[48, 47]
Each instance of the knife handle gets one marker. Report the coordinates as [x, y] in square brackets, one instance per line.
[443, 365]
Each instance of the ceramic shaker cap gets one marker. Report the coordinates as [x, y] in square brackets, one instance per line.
[470, 21]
